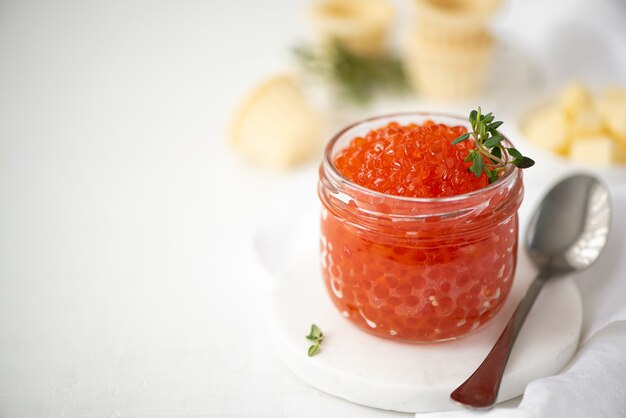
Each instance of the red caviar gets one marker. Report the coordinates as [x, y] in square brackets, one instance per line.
[432, 255]
[413, 160]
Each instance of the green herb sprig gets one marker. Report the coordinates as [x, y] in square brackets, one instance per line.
[317, 337]
[353, 77]
[490, 156]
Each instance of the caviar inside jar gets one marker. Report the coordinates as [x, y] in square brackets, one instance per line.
[413, 160]
[413, 246]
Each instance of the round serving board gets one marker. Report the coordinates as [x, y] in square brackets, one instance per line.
[405, 377]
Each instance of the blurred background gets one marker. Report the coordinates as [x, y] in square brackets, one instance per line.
[155, 158]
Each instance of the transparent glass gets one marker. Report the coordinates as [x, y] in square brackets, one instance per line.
[416, 269]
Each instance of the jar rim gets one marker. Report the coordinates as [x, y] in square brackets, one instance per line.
[335, 174]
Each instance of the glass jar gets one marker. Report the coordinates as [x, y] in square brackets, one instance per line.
[416, 269]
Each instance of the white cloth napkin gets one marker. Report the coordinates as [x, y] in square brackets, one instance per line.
[593, 384]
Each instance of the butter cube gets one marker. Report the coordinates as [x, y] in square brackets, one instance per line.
[596, 150]
[547, 128]
[573, 99]
[612, 109]
[587, 122]
[614, 93]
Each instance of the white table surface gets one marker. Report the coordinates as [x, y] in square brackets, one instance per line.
[128, 284]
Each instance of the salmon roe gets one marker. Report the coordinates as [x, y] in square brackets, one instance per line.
[421, 270]
[412, 160]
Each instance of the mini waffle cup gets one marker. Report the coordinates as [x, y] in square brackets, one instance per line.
[275, 125]
[447, 70]
[453, 19]
[361, 26]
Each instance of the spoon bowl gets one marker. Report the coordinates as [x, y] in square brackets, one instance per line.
[579, 209]
[566, 234]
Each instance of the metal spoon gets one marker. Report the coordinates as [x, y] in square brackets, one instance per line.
[566, 234]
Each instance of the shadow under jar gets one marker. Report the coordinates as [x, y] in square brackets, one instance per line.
[416, 269]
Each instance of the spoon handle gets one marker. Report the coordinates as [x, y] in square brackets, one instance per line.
[480, 390]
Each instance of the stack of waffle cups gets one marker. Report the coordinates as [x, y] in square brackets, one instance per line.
[449, 49]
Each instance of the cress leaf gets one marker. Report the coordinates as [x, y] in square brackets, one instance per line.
[523, 162]
[461, 138]
[495, 125]
[472, 117]
[492, 175]
[313, 350]
[478, 164]
[514, 153]
[493, 140]
[316, 332]
[482, 130]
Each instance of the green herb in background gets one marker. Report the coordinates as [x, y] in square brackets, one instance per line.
[317, 337]
[355, 78]
[488, 142]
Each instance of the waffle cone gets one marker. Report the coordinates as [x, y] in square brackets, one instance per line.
[453, 19]
[361, 26]
[448, 70]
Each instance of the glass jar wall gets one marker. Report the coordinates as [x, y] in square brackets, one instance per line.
[416, 269]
